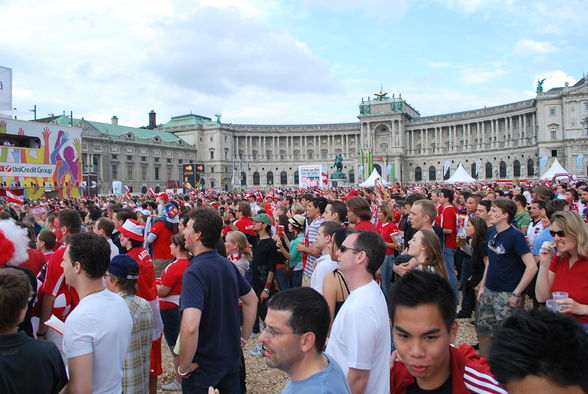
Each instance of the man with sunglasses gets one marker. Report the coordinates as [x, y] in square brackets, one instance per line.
[296, 328]
[510, 269]
[360, 336]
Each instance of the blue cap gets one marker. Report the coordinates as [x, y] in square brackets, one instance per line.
[124, 266]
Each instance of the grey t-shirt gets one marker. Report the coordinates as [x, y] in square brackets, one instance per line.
[330, 380]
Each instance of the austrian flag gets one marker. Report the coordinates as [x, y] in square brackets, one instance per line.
[15, 196]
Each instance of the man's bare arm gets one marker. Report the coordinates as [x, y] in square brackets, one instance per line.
[80, 375]
[249, 313]
[189, 338]
[358, 379]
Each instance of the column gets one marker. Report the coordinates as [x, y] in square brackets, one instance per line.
[524, 132]
[533, 129]
[412, 132]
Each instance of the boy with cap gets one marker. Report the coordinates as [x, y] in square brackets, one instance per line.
[131, 238]
[121, 278]
[160, 238]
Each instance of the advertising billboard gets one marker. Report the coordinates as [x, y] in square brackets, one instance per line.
[192, 176]
[312, 176]
[40, 156]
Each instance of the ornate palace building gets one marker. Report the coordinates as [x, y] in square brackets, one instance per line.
[506, 141]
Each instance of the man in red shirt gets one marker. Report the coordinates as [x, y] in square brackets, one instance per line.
[131, 238]
[447, 219]
[57, 298]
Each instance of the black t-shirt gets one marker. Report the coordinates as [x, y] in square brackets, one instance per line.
[30, 365]
[445, 388]
[265, 258]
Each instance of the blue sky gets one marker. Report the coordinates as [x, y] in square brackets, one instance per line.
[284, 62]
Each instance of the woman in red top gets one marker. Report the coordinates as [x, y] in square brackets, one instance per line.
[567, 271]
[169, 290]
[387, 230]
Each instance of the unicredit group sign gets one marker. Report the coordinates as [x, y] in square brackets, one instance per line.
[27, 170]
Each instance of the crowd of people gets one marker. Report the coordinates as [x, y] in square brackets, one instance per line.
[347, 290]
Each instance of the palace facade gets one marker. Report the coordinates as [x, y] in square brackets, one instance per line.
[506, 141]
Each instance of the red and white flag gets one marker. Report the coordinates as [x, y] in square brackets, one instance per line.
[15, 196]
[128, 191]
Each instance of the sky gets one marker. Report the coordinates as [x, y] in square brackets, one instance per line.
[287, 61]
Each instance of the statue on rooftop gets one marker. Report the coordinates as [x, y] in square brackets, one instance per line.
[218, 117]
[540, 86]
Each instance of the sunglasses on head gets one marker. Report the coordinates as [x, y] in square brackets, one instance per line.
[559, 233]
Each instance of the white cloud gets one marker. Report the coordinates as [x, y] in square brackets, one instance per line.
[474, 76]
[553, 79]
[527, 47]
[471, 6]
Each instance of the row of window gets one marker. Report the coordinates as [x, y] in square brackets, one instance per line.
[131, 175]
[269, 178]
[488, 171]
[144, 159]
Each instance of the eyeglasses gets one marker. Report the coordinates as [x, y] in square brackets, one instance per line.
[559, 233]
[273, 333]
[344, 249]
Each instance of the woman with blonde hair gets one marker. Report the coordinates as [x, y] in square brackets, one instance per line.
[425, 247]
[238, 250]
[566, 272]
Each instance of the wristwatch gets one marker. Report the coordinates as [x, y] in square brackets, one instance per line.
[514, 293]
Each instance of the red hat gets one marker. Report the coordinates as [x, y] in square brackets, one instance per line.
[163, 196]
[352, 193]
[132, 229]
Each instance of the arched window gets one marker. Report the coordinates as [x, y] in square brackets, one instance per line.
[157, 189]
[447, 174]
[212, 182]
[432, 173]
[256, 178]
[283, 178]
[351, 176]
[473, 171]
[530, 167]
[516, 169]
[488, 170]
[243, 178]
[144, 190]
[418, 174]
[502, 169]
[212, 155]
[270, 178]
[296, 178]
[378, 168]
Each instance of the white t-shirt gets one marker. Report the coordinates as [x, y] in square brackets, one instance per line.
[101, 324]
[113, 249]
[533, 231]
[324, 265]
[360, 337]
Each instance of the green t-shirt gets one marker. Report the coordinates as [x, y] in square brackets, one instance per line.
[295, 255]
[522, 219]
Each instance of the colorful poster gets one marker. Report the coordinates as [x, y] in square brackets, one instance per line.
[38, 156]
[311, 176]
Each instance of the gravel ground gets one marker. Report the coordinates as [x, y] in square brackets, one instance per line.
[261, 379]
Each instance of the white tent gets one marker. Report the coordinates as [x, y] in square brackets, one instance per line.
[460, 176]
[371, 181]
[555, 169]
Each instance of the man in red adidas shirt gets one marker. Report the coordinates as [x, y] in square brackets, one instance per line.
[448, 220]
[244, 223]
[131, 238]
[422, 311]
[56, 296]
